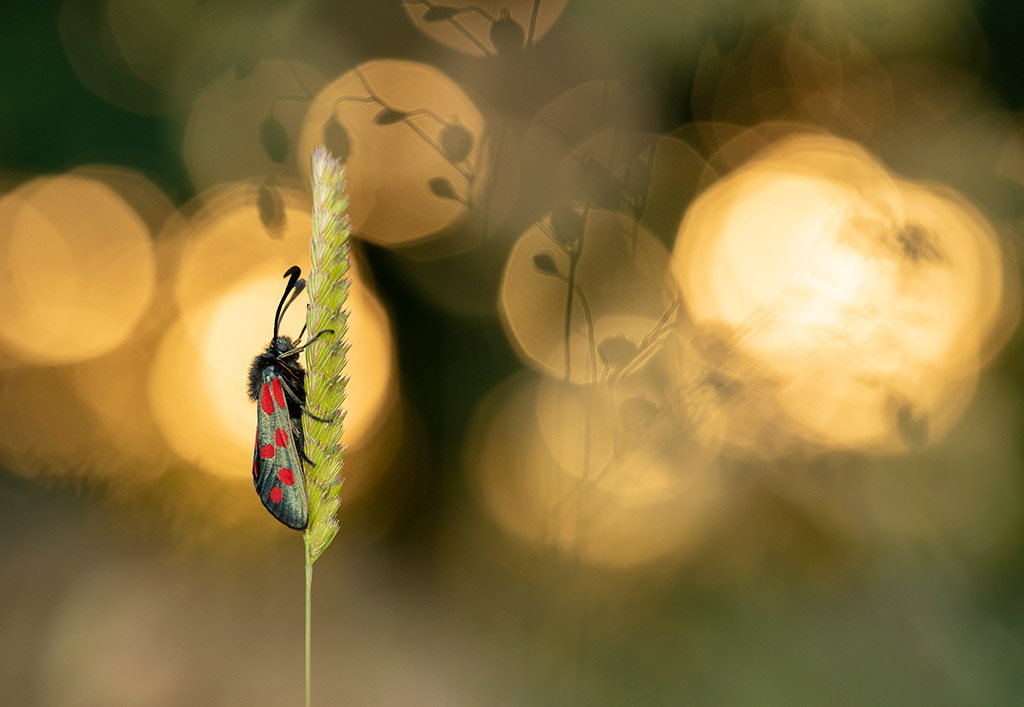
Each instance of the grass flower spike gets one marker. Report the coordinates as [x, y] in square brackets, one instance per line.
[327, 290]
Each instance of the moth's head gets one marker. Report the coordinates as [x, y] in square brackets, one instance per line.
[280, 345]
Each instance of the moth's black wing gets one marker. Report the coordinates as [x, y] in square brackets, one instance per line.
[277, 467]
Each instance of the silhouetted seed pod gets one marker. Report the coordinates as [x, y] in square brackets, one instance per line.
[274, 139]
[443, 188]
[545, 264]
[440, 13]
[390, 116]
[507, 36]
[456, 142]
[915, 245]
[336, 139]
[270, 206]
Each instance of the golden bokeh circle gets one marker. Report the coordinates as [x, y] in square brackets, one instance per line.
[862, 305]
[621, 287]
[413, 144]
[78, 269]
[651, 505]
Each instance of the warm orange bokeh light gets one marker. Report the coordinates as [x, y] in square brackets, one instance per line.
[413, 144]
[621, 288]
[229, 286]
[226, 240]
[112, 387]
[545, 468]
[77, 269]
[869, 303]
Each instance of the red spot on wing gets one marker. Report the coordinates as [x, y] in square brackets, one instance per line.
[286, 476]
[276, 494]
[278, 392]
[267, 451]
[280, 437]
[266, 404]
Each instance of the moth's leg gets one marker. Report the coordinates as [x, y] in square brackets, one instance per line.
[300, 444]
[299, 403]
[307, 413]
[299, 438]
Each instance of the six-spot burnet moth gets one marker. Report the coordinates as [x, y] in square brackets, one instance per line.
[277, 384]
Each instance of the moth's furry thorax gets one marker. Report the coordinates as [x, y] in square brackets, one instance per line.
[288, 367]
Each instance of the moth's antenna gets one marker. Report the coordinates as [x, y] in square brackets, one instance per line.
[294, 287]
